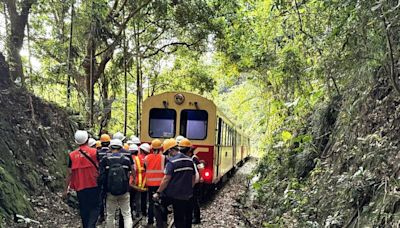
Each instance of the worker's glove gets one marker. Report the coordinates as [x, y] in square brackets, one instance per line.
[156, 196]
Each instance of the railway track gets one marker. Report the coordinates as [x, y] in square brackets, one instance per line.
[218, 209]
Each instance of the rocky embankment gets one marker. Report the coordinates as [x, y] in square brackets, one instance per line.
[35, 137]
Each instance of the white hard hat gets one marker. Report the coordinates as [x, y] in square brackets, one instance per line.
[129, 142]
[135, 140]
[132, 137]
[133, 147]
[145, 147]
[91, 142]
[119, 136]
[81, 137]
[179, 138]
[116, 143]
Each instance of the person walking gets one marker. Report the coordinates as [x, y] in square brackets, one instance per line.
[139, 183]
[82, 176]
[144, 150]
[105, 143]
[187, 148]
[119, 136]
[115, 171]
[92, 143]
[98, 145]
[176, 188]
[179, 138]
[135, 140]
[101, 153]
[125, 152]
[154, 163]
[135, 205]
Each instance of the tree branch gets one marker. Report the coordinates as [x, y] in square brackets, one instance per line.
[302, 30]
[393, 75]
[117, 36]
[161, 49]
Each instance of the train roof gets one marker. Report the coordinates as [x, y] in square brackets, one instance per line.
[186, 94]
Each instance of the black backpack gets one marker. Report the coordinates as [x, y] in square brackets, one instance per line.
[117, 179]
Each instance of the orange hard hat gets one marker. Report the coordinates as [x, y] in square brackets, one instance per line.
[170, 143]
[185, 143]
[105, 138]
[156, 144]
[98, 144]
[126, 146]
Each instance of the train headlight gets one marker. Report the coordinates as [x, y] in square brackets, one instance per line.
[179, 98]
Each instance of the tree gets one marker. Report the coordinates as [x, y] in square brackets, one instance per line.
[15, 39]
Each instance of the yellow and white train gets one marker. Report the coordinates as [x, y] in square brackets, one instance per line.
[217, 140]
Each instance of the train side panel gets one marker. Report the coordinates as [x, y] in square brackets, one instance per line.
[226, 160]
[206, 153]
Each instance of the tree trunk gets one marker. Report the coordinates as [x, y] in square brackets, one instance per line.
[138, 79]
[125, 83]
[71, 32]
[29, 50]
[15, 39]
[90, 67]
[4, 72]
[106, 103]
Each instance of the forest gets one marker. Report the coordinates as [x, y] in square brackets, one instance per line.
[313, 83]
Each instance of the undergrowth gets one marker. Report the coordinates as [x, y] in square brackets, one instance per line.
[336, 169]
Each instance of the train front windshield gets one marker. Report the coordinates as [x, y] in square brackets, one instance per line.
[194, 124]
[162, 123]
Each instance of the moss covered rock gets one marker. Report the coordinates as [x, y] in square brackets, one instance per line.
[13, 198]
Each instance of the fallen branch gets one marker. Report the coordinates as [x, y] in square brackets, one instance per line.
[32, 109]
[244, 218]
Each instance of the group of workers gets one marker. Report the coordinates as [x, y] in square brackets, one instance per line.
[116, 176]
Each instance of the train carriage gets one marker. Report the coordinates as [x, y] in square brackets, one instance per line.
[218, 142]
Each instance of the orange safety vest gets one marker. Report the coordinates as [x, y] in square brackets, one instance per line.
[154, 169]
[140, 181]
[83, 173]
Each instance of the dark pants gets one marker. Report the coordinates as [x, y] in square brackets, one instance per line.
[143, 203]
[196, 204]
[103, 196]
[89, 206]
[139, 202]
[132, 200]
[150, 211]
[182, 213]
[161, 211]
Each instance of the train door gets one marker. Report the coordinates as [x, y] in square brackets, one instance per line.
[218, 147]
[233, 148]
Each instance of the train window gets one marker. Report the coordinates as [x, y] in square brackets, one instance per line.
[229, 136]
[162, 123]
[194, 124]
[219, 132]
[225, 134]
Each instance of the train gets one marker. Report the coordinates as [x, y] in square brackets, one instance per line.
[217, 141]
